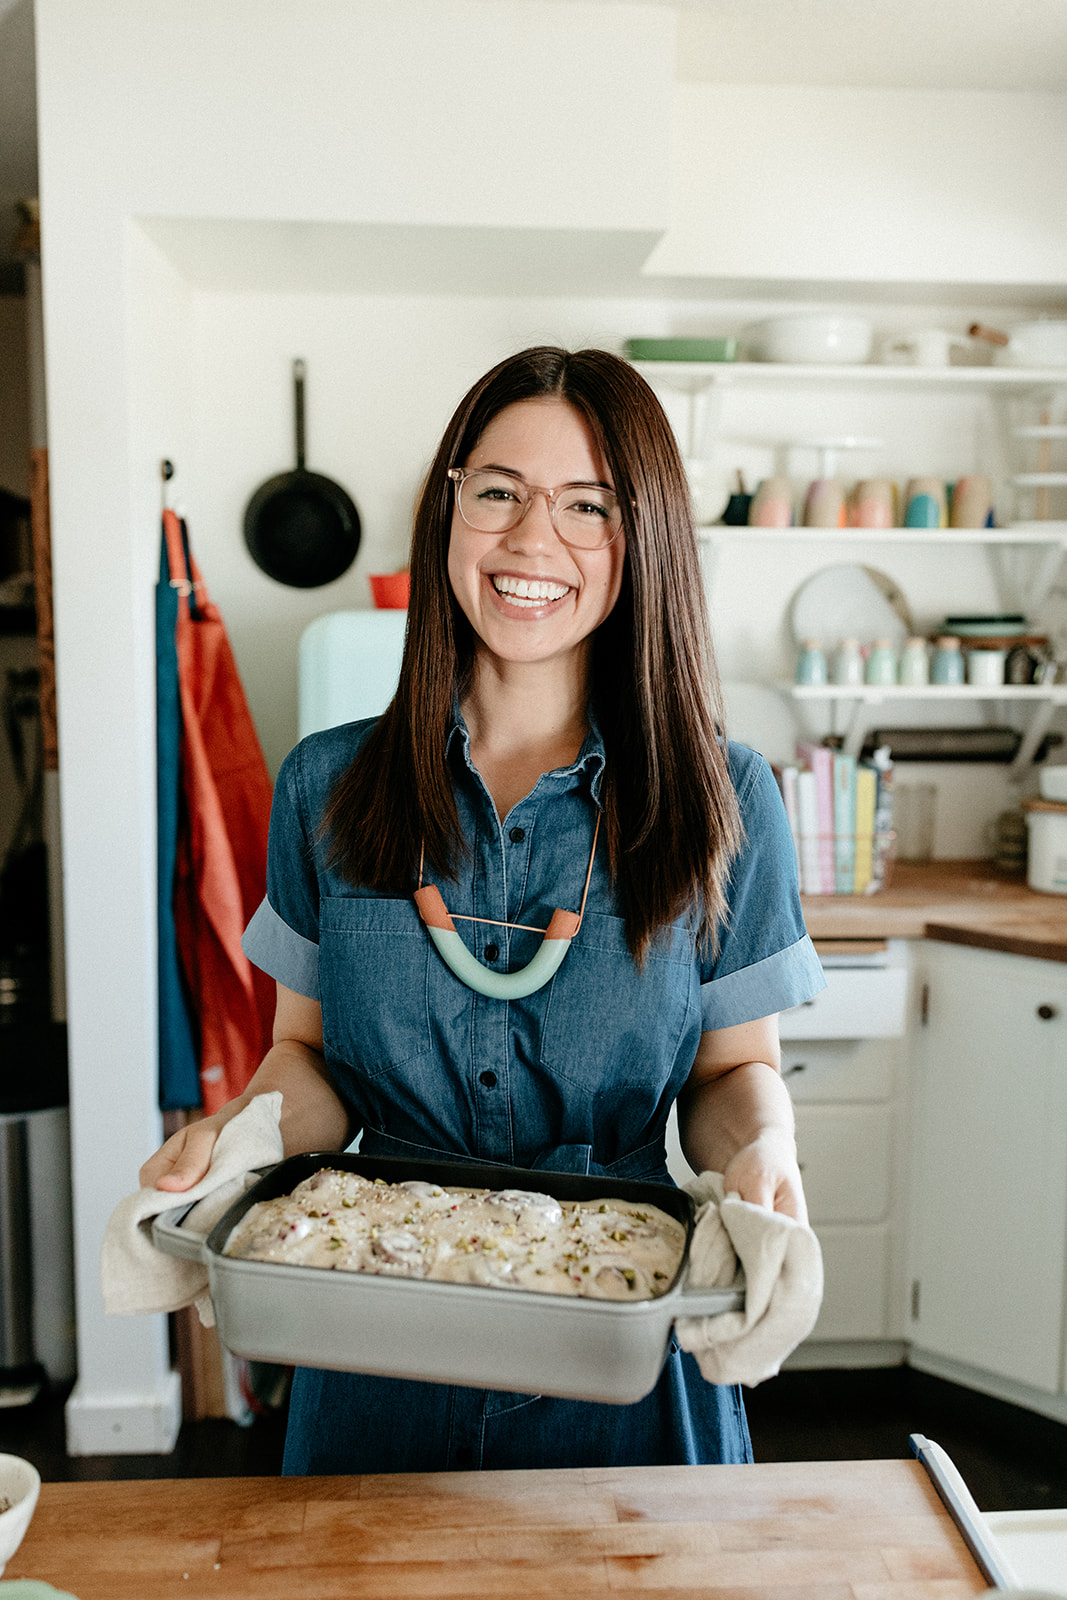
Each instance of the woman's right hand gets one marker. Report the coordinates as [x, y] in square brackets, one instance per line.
[185, 1157]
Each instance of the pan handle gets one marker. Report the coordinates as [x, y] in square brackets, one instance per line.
[299, 373]
[711, 1302]
[169, 1236]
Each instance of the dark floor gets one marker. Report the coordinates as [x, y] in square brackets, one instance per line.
[1010, 1458]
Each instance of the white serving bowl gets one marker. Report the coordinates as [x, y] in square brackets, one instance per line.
[810, 337]
[21, 1484]
[1052, 782]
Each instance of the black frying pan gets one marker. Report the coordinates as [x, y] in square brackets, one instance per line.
[300, 527]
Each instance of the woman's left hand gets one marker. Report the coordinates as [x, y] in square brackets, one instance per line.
[766, 1173]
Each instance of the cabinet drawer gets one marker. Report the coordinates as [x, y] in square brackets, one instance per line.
[855, 1295]
[845, 1159]
[858, 1003]
[839, 1070]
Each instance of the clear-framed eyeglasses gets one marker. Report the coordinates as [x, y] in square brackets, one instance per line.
[585, 515]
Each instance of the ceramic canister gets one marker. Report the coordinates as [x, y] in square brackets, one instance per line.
[985, 668]
[811, 664]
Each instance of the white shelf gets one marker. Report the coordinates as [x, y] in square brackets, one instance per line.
[875, 694]
[1042, 698]
[1054, 533]
[692, 376]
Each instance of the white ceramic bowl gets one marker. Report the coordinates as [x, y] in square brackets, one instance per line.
[810, 337]
[1052, 782]
[21, 1484]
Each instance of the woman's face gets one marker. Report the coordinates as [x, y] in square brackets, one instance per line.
[547, 443]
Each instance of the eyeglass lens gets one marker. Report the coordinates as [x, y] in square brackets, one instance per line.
[582, 514]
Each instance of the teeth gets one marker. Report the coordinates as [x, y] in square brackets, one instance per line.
[529, 591]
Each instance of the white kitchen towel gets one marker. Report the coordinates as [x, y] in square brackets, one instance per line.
[782, 1264]
[136, 1276]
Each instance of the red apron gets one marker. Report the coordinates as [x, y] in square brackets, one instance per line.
[221, 869]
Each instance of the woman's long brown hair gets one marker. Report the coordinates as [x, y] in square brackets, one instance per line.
[670, 812]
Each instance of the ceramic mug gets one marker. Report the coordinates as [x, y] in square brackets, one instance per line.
[824, 505]
[772, 504]
[972, 501]
[873, 504]
[925, 504]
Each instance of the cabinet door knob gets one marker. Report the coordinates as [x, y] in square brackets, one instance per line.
[1046, 1013]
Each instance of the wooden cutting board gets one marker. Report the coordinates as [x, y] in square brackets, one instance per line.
[851, 1530]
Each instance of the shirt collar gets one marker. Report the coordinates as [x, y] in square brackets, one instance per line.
[590, 760]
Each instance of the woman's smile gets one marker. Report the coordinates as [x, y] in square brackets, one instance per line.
[528, 594]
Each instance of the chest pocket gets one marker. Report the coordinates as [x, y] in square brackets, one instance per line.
[373, 960]
[609, 1023]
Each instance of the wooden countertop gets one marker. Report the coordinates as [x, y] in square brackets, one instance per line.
[850, 1530]
[962, 902]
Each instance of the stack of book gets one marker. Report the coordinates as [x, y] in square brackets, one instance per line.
[840, 811]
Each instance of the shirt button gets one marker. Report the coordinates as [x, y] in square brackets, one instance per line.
[488, 1078]
[517, 835]
[492, 951]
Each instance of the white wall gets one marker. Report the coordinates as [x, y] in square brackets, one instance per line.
[867, 186]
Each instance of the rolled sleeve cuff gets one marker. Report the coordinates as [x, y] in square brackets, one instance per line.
[274, 947]
[775, 984]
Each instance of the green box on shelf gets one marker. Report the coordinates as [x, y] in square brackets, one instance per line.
[682, 349]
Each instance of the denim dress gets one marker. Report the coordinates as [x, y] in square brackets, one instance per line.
[578, 1077]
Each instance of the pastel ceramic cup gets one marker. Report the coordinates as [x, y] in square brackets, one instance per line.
[824, 505]
[772, 504]
[972, 501]
[873, 504]
[926, 505]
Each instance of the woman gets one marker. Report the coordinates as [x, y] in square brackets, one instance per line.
[554, 742]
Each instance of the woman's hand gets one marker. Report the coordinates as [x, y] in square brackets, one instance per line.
[765, 1172]
[185, 1157]
[313, 1116]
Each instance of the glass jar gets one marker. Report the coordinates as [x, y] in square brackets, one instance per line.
[848, 663]
[811, 665]
[882, 663]
[915, 663]
[948, 667]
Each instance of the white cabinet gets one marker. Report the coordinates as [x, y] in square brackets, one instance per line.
[989, 1197]
[843, 1059]
[846, 1095]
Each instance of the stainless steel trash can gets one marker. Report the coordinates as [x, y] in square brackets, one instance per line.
[16, 1271]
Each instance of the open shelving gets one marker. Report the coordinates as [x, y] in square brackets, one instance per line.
[859, 699]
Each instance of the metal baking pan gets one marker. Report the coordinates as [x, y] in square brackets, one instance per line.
[489, 1338]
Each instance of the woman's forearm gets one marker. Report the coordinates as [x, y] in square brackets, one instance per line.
[313, 1116]
[718, 1118]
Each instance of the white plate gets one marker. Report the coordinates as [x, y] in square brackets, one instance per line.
[849, 602]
